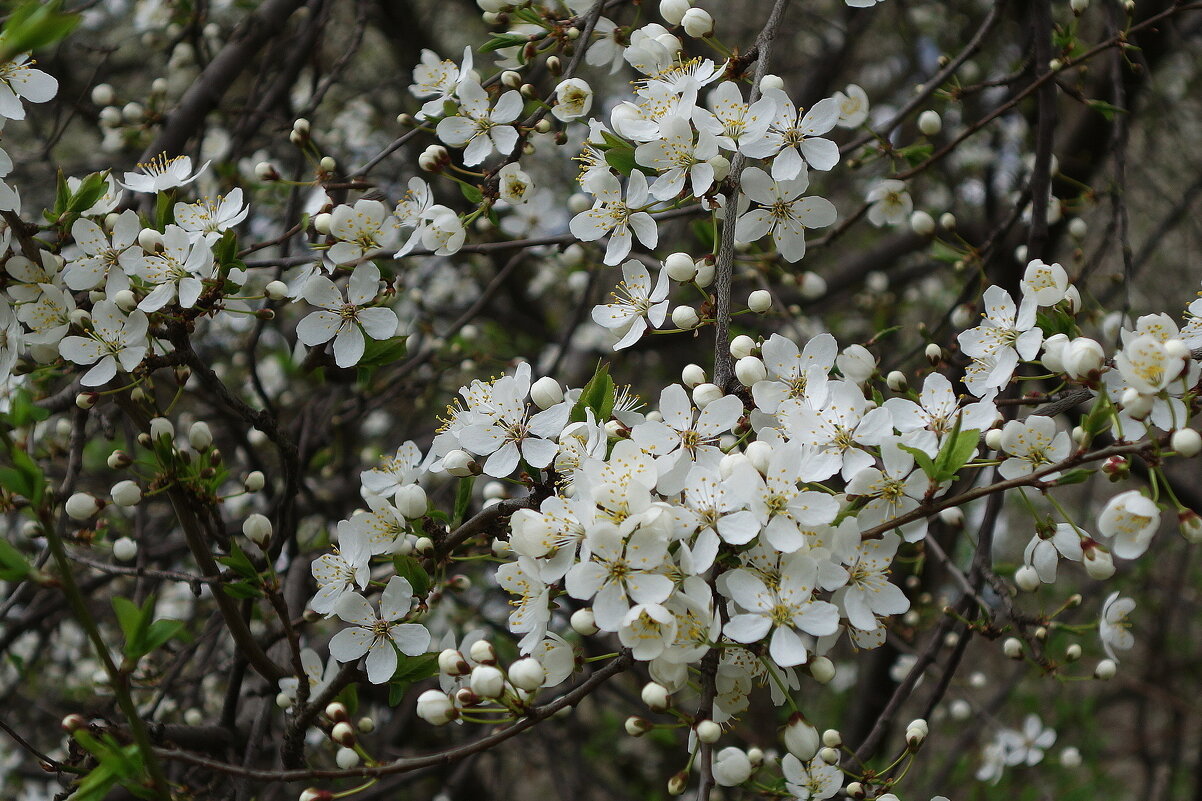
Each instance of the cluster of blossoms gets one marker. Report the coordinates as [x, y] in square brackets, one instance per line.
[758, 525]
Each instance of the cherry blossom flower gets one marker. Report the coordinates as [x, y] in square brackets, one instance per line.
[1046, 284]
[359, 230]
[783, 213]
[780, 506]
[785, 610]
[208, 219]
[892, 491]
[346, 321]
[1005, 335]
[1044, 550]
[734, 122]
[161, 173]
[114, 339]
[811, 781]
[479, 129]
[890, 203]
[438, 79]
[401, 470]
[1033, 444]
[799, 376]
[869, 592]
[1113, 625]
[1028, 746]
[635, 304]
[177, 272]
[531, 611]
[618, 571]
[794, 138]
[939, 410]
[508, 433]
[617, 216]
[1132, 519]
[853, 106]
[19, 80]
[317, 675]
[378, 634]
[839, 430]
[1145, 364]
[677, 441]
[573, 99]
[337, 572]
[102, 254]
[678, 158]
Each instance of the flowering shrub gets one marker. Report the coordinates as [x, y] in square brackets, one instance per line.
[246, 558]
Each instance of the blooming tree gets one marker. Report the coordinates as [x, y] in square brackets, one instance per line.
[658, 373]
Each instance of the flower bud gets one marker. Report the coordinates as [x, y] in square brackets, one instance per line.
[829, 755]
[276, 290]
[705, 394]
[678, 783]
[685, 317]
[411, 501]
[692, 375]
[759, 301]
[708, 731]
[1012, 647]
[749, 370]
[1072, 653]
[1099, 564]
[126, 300]
[460, 463]
[119, 460]
[86, 400]
[1186, 441]
[343, 733]
[365, 725]
[705, 274]
[1081, 357]
[770, 81]
[73, 723]
[150, 240]
[125, 549]
[1070, 757]
[1077, 228]
[434, 707]
[452, 663]
[527, 674]
[1191, 525]
[257, 529]
[656, 696]
[822, 669]
[741, 346]
[812, 285]
[199, 436]
[697, 23]
[929, 122]
[264, 171]
[82, 506]
[487, 681]
[313, 794]
[922, 223]
[1026, 578]
[896, 381]
[855, 790]
[161, 428]
[934, 354]
[346, 758]
[482, 652]
[1136, 405]
[993, 439]
[126, 493]
[636, 726]
[731, 766]
[680, 267]
[328, 164]
[583, 623]
[254, 481]
[546, 392]
[801, 738]
[672, 11]
[1106, 670]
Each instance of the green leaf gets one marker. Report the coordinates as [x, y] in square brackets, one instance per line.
[598, 394]
[411, 570]
[164, 210]
[226, 249]
[22, 410]
[704, 232]
[62, 195]
[923, 460]
[958, 448]
[90, 190]
[1107, 110]
[410, 669]
[241, 590]
[621, 159]
[13, 564]
[134, 622]
[472, 193]
[377, 353]
[463, 497]
[1076, 476]
[160, 632]
[34, 25]
[502, 40]
[916, 154]
[239, 562]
